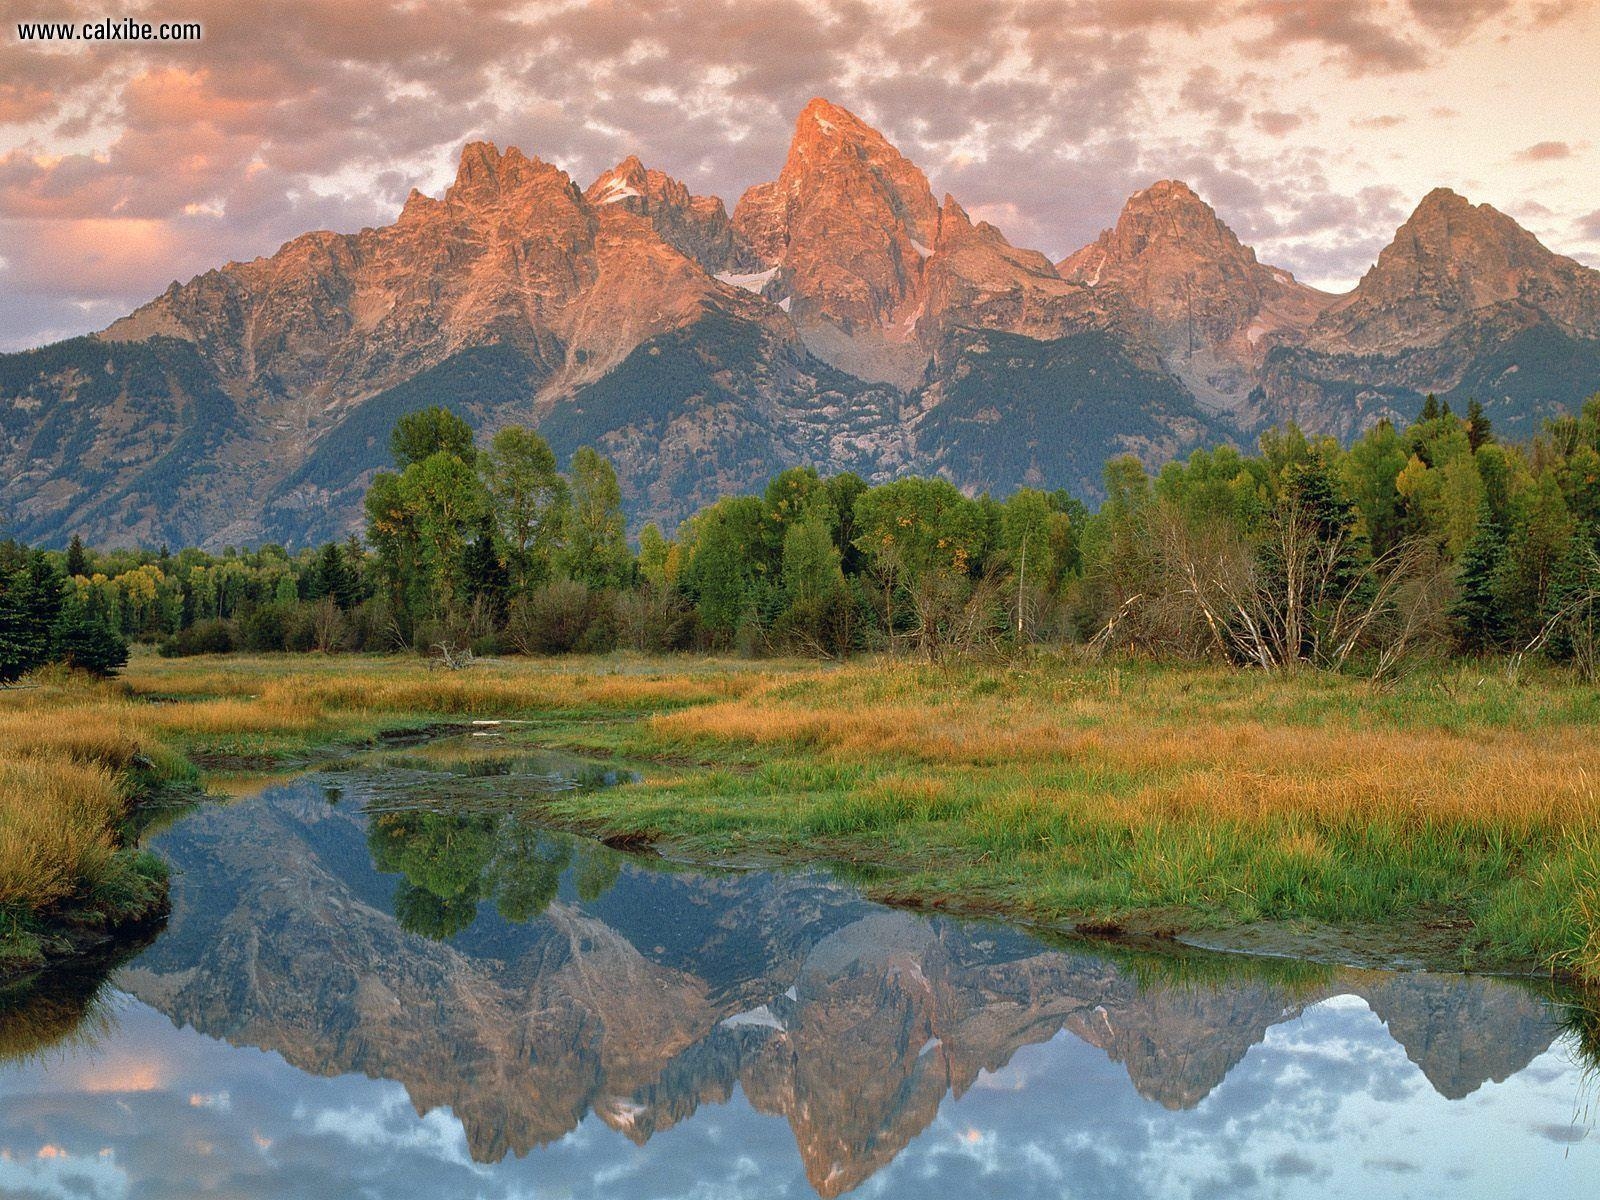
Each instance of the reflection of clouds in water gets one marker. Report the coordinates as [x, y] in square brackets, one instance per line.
[56, 1174]
[392, 1126]
[1326, 1103]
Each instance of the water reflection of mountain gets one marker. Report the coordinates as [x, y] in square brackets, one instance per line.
[640, 994]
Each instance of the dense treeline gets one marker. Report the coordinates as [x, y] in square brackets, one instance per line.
[1434, 537]
[46, 617]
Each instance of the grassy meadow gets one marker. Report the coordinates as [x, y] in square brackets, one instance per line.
[1456, 808]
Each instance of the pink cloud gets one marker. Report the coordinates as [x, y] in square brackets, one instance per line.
[1545, 152]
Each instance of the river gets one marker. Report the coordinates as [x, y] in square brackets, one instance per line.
[386, 980]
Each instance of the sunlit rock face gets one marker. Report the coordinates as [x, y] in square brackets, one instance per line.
[698, 227]
[525, 981]
[1212, 310]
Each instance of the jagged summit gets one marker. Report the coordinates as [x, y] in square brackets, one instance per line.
[696, 226]
[485, 173]
[847, 226]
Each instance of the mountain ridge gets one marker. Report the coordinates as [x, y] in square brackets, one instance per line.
[840, 317]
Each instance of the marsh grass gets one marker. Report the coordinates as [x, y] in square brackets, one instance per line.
[1189, 796]
[56, 829]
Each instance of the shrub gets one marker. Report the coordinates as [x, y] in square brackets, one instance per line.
[373, 626]
[557, 618]
[654, 621]
[204, 637]
[265, 627]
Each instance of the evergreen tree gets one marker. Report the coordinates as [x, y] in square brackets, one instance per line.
[1537, 543]
[1430, 409]
[1480, 432]
[1333, 521]
[332, 575]
[77, 558]
[1476, 616]
[24, 638]
[44, 594]
[483, 573]
[87, 641]
[1572, 605]
[1315, 563]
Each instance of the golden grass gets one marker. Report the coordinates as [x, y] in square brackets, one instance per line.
[56, 821]
[1243, 770]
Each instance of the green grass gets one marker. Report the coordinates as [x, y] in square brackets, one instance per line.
[1457, 808]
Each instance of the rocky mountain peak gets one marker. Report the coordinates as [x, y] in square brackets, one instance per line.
[1211, 307]
[954, 223]
[1165, 228]
[830, 141]
[698, 227]
[1448, 225]
[1452, 262]
[628, 181]
[848, 225]
[486, 175]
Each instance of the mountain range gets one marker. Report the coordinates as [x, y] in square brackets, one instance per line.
[841, 316]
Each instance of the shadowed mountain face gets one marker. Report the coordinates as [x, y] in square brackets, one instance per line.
[840, 317]
[420, 930]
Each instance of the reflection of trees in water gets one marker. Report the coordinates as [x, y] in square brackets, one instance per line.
[1177, 968]
[451, 862]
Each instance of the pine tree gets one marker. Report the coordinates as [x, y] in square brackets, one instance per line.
[331, 575]
[77, 558]
[86, 641]
[1430, 408]
[1476, 615]
[1572, 608]
[1315, 566]
[1479, 430]
[484, 574]
[30, 599]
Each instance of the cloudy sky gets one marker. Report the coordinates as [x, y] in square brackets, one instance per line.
[1313, 126]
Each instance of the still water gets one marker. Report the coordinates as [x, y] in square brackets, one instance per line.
[384, 981]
